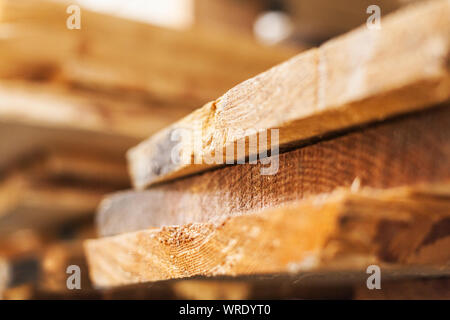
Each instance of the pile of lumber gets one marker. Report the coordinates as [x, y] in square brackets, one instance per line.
[289, 183]
[72, 101]
[362, 176]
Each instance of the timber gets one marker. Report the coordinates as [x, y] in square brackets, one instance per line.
[302, 170]
[56, 186]
[354, 79]
[161, 64]
[406, 150]
[26, 205]
[58, 106]
[343, 230]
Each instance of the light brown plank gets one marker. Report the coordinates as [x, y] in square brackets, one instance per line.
[54, 187]
[18, 141]
[341, 231]
[363, 76]
[58, 106]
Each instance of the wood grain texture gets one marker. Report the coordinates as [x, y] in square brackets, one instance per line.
[54, 262]
[19, 140]
[77, 167]
[28, 205]
[21, 243]
[406, 150]
[341, 231]
[363, 76]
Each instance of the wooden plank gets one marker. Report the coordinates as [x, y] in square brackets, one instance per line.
[78, 167]
[59, 106]
[55, 187]
[50, 283]
[19, 140]
[110, 53]
[363, 76]
[341, 231]
[406, 150]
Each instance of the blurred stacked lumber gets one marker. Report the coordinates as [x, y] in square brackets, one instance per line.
[53, 187]
[72, 101]
[113, 77]
[363, 177]
[95, 92]
[38, 261]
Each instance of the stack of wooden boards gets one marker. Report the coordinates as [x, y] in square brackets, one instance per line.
[72, 101]
[363, 177]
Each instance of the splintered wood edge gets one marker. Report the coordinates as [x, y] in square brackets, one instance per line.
[318, 92]
[339, 231]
